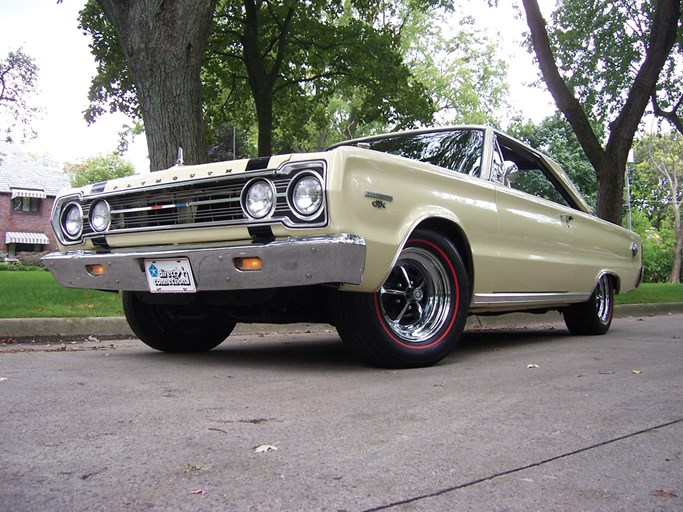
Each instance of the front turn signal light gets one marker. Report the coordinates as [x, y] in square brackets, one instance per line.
[249, 264]
[96, 270]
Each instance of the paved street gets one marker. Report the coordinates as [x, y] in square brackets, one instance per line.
[514, 420]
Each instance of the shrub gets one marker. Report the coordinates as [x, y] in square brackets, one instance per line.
[31, 259]
[25, 261]
[658, 255]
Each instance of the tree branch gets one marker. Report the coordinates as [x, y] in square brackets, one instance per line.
[669, 115]
[565, 100]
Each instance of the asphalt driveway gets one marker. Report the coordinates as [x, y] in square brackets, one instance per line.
[514, 420]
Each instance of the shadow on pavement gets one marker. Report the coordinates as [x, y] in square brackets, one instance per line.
[326, 351]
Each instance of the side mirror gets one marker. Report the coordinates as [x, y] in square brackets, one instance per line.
[510, 172]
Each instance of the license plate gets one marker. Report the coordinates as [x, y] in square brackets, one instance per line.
[170, 276]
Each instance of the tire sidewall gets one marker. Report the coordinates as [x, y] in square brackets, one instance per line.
[382, 345]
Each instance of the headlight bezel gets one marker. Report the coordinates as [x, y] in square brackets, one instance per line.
[93, 212]
[66, 216]
[319, 202]
[271, 193]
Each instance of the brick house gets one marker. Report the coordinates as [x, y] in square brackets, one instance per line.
[27, 193]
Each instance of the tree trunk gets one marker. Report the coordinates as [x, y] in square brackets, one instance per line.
[678, 229]
[164, 42]
[609, 163]
[262, 80]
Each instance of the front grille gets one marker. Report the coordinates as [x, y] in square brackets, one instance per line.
[199, 204]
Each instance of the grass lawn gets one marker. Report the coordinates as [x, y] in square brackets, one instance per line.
[37, 295]
[652, 293]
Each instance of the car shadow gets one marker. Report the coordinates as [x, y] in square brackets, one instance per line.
[486, 339]
[322, 353]
[325, 352]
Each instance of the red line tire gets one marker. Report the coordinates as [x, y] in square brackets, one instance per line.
[419, 313]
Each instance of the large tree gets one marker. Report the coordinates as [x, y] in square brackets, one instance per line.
[293, 56]
[592, 67]
[18, 84]
[162, 43]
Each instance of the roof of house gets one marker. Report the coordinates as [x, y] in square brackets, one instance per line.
[19, 171]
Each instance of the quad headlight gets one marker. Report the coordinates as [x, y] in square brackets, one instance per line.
[100, 216]
[306, 196]
[258, 199]
[72, 221]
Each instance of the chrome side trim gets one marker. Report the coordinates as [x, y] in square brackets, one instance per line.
[531, 299]
[296, 261]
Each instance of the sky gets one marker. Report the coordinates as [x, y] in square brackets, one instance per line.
[49, 33]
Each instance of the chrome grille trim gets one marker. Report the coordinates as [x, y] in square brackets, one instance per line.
[201, 203]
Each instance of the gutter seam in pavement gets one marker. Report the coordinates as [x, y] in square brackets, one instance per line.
[523, 468]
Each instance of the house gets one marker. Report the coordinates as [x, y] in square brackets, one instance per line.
[27, 193]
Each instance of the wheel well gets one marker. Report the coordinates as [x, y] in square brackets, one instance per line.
[455, 235]
[616, 282]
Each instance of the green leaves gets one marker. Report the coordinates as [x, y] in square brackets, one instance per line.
[98, 168]
[18, 84]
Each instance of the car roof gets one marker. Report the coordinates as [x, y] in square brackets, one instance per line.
[551, 164]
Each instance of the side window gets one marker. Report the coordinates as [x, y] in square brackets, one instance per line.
[523, 171]
[535, 182]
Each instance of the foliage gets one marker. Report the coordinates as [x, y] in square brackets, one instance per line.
[112, 88]
[44, 158]
[127, 135]
[601, 61]
[230, 144]
[18, 84]
[288, 59]
[554, 137]
[98, 168]
[658, 247]
[20, 267]
[598, 44]
[312, 73]
[460, 68]
[658, 187]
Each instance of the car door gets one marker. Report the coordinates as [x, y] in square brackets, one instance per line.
[536, 223]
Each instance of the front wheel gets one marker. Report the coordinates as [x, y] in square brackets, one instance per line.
[176, 328]
[419, 313]
[595, 316]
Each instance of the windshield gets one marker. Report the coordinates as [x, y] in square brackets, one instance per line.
[458, 150]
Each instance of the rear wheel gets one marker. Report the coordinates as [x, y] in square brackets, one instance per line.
[595, 316]
[176, 328]
[419, 313]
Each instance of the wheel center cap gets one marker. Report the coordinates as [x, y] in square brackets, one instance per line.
[417, 294]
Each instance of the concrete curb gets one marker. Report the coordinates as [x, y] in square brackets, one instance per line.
[117, 327]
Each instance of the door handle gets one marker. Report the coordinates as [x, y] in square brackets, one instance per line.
[567, 218]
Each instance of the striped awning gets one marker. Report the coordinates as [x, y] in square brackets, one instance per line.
[13, 237]
[28, 192]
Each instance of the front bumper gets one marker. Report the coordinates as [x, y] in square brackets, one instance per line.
[296, 261]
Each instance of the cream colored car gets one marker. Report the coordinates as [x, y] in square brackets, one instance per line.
[393, 239]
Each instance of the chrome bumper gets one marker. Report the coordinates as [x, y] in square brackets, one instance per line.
[291, 262]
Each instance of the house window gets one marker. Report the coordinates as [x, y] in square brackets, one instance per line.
[26, 204]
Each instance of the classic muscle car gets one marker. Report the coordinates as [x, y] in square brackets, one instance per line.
[393, 239]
